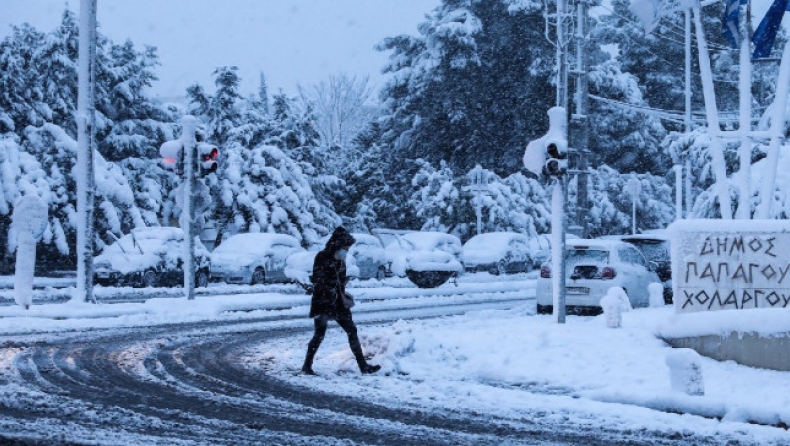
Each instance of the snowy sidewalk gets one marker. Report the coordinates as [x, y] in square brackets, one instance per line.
[516, 364]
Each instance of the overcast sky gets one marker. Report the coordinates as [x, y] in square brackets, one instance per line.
[291, 41]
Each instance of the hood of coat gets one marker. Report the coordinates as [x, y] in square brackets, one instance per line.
[340, 238]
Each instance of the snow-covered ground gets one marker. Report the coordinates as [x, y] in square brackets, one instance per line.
[516, 364]
[509, 363]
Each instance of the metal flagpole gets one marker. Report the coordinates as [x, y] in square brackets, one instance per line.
[745, 119]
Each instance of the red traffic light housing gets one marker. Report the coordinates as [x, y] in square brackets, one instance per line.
[172, 153]
[208, 158]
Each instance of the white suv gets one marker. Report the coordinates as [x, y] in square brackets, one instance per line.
[592, 266]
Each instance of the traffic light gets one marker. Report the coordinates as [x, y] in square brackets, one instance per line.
[557, 161]
[207, 158]
[548, 155]
[172, 153]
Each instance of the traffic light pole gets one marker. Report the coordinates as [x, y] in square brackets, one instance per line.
[548, 155]
[558, 247]
[188, 127]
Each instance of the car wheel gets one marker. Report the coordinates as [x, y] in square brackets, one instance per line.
[545, 309]
[501, 268]
[201, 281]
[149, 279]
[381, 273]
[258, 276]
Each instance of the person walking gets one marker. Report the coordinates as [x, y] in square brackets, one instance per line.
[329, 285]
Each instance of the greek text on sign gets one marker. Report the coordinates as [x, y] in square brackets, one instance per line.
[730, 264]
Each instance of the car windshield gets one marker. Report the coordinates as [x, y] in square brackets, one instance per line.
[134, 243]
[388, 239]
[655, 251]
[587, 255]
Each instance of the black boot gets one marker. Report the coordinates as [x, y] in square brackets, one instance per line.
[356, 348]
[366, 368]
[307, 368]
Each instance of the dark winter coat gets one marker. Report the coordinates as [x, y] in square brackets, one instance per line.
[329, 278]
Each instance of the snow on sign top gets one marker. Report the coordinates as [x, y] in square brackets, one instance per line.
[30, 216]
[730, 264]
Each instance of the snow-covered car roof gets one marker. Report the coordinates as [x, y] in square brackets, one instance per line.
[653, 235]
[490, 247]
[493, 240]
[361, 239]
[428, 240]
[144, 247]
[147, 239]
[593, 243]
[366, 239]
[254, 243]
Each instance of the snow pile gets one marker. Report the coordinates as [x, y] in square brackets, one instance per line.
[685, 370]
[27, 227]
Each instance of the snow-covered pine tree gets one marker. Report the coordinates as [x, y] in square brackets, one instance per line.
[266, 173]
[22, 102]
[295, 134]
[611, 205]
[472, 88]
[436, 201]
[515, 203]
[54, 152]
[620, 137]
[42, 91]
[56, 72]
[656, 59]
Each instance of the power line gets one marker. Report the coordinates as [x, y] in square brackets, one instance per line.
[669, 115]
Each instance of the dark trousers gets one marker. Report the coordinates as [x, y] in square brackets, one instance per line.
[347, 324]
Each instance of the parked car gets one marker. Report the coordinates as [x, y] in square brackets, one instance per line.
[427, 258]
[253, 258]
[299, 266]
[497, 253]
[592, 266]
[656, 249]
[149, 257]
[540, 248]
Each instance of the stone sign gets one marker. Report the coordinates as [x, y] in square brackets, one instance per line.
[730, 264]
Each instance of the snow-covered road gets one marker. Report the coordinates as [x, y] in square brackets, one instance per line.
[223, 369]
[199, 383]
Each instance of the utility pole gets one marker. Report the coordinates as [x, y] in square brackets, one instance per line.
[188, 127]
[679, 167]
[559, 182]
[85, 146]
[579, 136]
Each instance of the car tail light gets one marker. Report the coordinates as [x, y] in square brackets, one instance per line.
[545, 272]
[608, 273]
